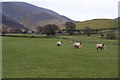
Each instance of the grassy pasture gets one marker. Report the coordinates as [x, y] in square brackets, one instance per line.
[41, 58]
[98, 24]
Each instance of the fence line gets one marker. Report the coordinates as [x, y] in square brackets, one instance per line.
[39, 36]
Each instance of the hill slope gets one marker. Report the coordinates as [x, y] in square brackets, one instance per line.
[98, 24]
[8, 22]
[30, 15]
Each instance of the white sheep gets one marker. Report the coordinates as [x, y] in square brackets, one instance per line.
[59, 43]
[78, 45]
[100, 46]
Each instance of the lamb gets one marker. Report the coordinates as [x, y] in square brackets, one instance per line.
[100, 46]
[59, 43]
[78, 45]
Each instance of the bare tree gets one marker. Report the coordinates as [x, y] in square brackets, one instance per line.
[70, 27]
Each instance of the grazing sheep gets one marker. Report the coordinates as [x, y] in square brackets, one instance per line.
[59, 43]
[100, 46]
[78, 45]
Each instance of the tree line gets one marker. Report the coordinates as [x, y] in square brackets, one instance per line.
[70, 27]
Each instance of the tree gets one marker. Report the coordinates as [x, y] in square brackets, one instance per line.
[110, 35]
[102, 35]
[39, 29]
[70, 27]
[50, 29]
[87, 31]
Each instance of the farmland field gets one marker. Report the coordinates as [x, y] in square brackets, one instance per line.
[98, 24]
[41, 58]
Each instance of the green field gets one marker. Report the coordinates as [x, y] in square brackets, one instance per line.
[98, 24]
[41, 58]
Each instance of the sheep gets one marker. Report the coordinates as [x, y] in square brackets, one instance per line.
[78, 45]
[100, 46]
[59, 43]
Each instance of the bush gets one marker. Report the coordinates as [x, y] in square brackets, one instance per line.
[110, 35]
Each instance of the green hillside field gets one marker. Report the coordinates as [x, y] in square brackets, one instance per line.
[97, 24]
[41, 58]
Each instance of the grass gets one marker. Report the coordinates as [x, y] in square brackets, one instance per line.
[23, 35]
[94, 39]
[41, 58]
[97, 24]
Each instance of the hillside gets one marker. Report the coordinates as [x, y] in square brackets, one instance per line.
[11, 23]
[30, 15]
[117, 18]
[98, 24]
[19, 14]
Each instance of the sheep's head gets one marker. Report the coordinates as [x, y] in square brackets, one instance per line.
[103, 44]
